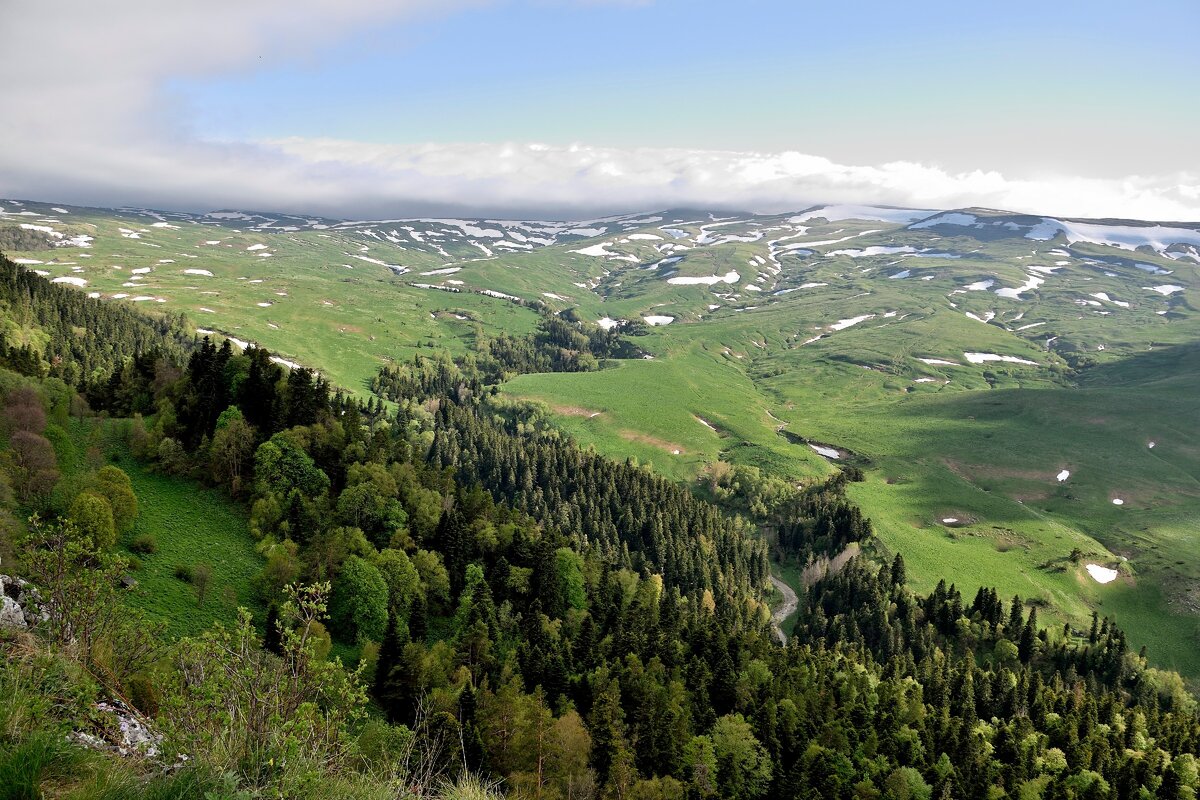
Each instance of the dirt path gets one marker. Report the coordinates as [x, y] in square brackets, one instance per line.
[785, 609]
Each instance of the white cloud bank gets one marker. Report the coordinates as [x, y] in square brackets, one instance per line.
[92, 121]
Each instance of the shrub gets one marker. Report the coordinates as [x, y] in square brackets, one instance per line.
[144, 543]
[184, 572]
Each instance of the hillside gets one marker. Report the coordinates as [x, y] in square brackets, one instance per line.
[558, 622]
[965, 359]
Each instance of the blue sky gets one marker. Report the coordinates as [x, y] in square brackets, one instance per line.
[1090, 106]
[853, 81]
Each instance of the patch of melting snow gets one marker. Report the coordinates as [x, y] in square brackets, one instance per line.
[729, 277]
[979, 358]
[873, 250]
[204, 272]
[1062, 476]
[900, 275]
[1118, 501]
[949, 520]
[828, 452]
[979, 286]
[1150, 445]
[1031, 282]
[940, 362]
[1104, 296]
[1101, 574]
[139, 271]
[658, 319]
[1152, 269]
[498, 295]
[842, 324]
[72, 281]
[446, 271]
[1165, 290]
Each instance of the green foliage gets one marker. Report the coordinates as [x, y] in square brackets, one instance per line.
[93, 517]
[224, 674]
[359, 604]
[569, 566]
[116, 487]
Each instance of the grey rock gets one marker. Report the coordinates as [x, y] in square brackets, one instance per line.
[11, 613]
[136, 736]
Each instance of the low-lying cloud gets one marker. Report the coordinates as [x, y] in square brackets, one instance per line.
[90, 120]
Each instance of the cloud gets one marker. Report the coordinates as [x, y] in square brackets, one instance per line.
[92, 121]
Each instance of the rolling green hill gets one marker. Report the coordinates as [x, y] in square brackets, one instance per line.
[965, 360]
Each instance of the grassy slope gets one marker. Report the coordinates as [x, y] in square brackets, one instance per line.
[950, 446]
[192, 525]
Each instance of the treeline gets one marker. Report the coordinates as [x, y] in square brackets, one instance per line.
[58, 331]
[561, 343]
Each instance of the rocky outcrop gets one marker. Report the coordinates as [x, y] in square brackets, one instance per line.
[124, 731]
[20, 603]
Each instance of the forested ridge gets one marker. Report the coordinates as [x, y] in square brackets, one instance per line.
[520, 610]
[59, 331]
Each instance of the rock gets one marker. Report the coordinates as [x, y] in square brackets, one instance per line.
[20, 604]
[136, 737]
[11, 613]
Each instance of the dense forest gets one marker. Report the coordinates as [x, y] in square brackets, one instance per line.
[514, 615]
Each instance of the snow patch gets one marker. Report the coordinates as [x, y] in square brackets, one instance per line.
[979, 358]
[729, 277]
[1101, 574]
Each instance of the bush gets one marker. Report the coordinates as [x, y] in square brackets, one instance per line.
[184, 572]
[144, 543]
[134, 563]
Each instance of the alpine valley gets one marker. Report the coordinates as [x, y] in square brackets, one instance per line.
[527, 507]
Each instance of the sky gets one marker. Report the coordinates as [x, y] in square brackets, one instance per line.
[576, 108]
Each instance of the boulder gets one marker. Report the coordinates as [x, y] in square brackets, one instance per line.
[11, 613]
[20, 604]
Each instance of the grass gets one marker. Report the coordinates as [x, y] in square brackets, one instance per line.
[978, 442]
[191, 525]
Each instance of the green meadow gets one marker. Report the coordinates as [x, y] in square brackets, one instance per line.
[964, 367]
